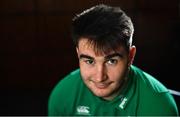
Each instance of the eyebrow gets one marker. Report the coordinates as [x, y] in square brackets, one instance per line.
[106, 57]
[113, 55]
[85, 56]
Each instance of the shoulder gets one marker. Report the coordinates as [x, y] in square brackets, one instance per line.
[148, 81]
[64, 92]
[67, 84]
[154, 97]
[72, 78]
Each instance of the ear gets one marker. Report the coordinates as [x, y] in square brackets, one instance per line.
[132, 53]
[77, 50]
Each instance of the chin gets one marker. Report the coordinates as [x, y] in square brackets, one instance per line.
[101, 93]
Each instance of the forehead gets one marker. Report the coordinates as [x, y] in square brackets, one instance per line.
[83, 43]
[87, 47]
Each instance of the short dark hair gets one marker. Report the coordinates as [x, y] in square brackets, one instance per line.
[105, 27]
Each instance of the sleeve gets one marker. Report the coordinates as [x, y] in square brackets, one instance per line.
[52, 109]
[168, 105]
[61, 100]
[56, 102]
[161, 104]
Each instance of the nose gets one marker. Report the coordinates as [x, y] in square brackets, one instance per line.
[101, 73]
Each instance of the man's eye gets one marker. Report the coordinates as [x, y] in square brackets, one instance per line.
[112, 61]
[90, 62]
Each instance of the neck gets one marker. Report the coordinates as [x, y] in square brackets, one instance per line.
[116, 93]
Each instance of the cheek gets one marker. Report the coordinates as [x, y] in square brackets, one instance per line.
[85, 72]
[117, 73]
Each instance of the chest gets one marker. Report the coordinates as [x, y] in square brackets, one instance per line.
[90, 107]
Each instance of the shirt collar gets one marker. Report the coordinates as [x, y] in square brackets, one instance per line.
[128, 92]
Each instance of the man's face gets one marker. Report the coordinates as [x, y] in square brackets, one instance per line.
[103, 74]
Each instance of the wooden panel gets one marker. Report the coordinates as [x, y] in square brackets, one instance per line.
[14, 6]
[158, 4]
[69, 6]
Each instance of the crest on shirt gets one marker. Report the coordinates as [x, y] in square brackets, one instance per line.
[83, 110]
[123, 103]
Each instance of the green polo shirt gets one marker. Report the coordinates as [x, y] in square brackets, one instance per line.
[143, 95]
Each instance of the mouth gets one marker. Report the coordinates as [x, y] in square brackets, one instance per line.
[102, 85]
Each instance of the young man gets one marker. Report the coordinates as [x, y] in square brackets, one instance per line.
[107, 84]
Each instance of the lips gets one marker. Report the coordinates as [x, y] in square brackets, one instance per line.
[101, 85]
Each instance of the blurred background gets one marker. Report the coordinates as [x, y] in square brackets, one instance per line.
[36, 50]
